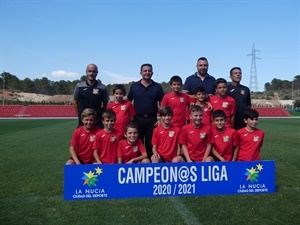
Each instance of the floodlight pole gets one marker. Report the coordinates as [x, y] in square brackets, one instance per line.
[3, 88]
[292, 94]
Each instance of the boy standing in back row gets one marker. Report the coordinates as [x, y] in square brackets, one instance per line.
[201, 100]
[222, 101]
[177, 101]
[122, 107]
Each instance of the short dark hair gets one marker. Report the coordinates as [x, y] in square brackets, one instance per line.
[220, 81]
[146, 64]
[219, 113]
[202, 58]
[176, 78]
[199, 89]
[131, 125]
[250, 114]
[234, 68]
[165, 111]
[119, 87]
[196, 108]
[109, 114]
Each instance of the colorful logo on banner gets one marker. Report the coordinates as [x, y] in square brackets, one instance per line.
[252, 176]
[90, 178]
[84, 182]
[253, 173]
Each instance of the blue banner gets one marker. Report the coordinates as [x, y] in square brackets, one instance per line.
[102, 181]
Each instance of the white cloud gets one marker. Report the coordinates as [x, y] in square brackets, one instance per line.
[62, 73]
[108, 77]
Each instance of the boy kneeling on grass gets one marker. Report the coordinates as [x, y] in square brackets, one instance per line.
[165, 144]
[196, 139]
[132, 149]
[250, 138]
[224, 144]
[107, 140]
[81, 148]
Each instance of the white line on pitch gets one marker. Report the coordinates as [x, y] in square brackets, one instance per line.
[188, 217]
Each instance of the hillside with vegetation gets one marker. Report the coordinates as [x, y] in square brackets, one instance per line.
[43, 91]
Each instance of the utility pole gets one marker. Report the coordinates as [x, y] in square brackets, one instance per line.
[253, 75]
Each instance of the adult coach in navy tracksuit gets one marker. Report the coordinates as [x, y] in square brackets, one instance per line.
[241, 95]
[146, 96]
[90, 94]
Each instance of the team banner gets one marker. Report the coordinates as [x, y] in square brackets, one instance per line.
[102, 181]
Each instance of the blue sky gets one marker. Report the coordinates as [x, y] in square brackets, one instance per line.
[58, 38]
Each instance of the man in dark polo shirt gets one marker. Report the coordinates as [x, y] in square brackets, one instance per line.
[90, 94]
[146, 95]
[200, 78]
[241, 95]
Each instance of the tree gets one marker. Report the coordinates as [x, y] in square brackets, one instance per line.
[296, 82]
[43, 86]
[61, 87]
[1, 82]
[11, 81]
[28, 85]
[268, 87]
[82, 78]
[165, 86]
[286, 85]
[297, 103]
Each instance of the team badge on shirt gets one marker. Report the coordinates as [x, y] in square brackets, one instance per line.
[135, 148]
[256, 138]
[225, 104]
[123, 107]
[95, 91]
[92, 138]
[171, 133]
[181, 99]
[113, 138]
[242, 92]
[202, 135]
[225, 138]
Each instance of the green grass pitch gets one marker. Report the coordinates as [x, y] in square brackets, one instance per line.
[33, 153]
